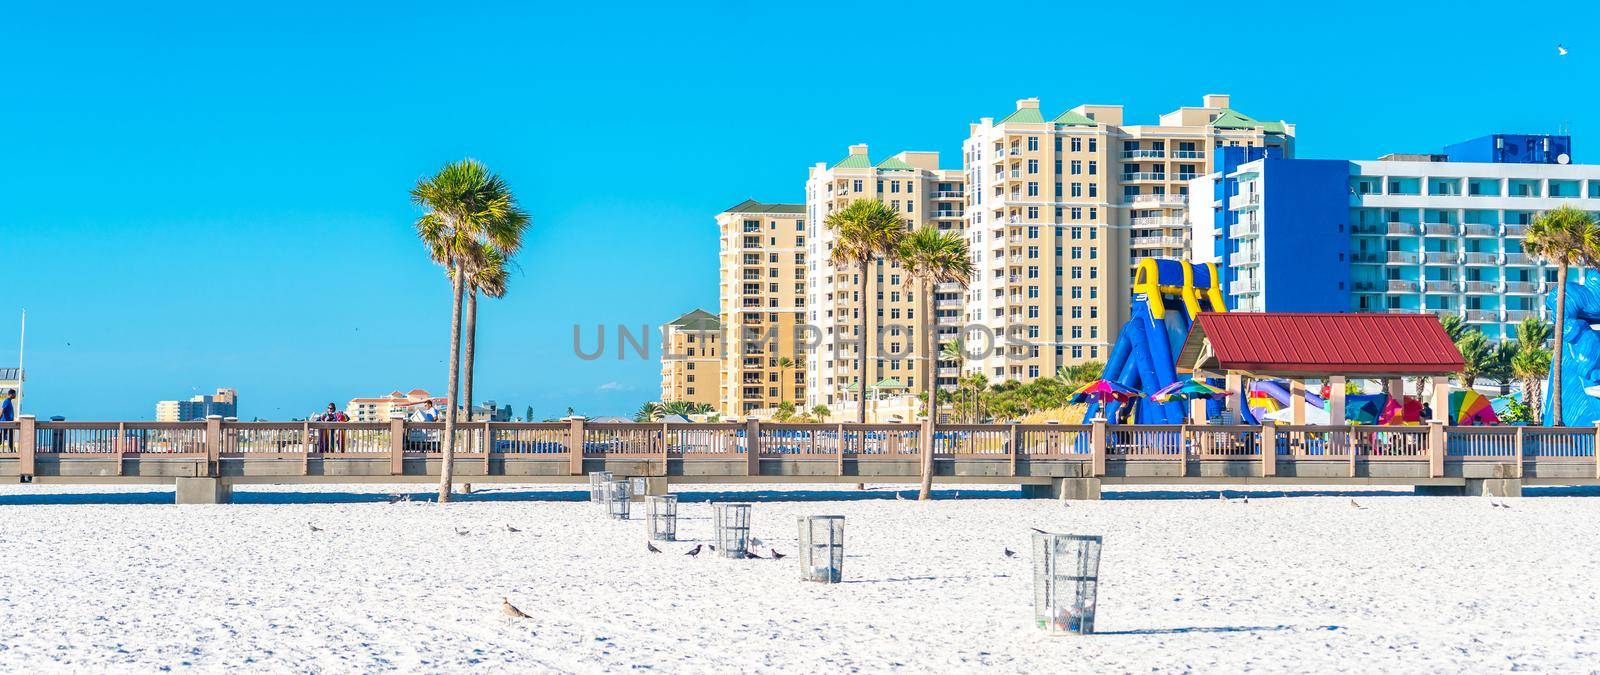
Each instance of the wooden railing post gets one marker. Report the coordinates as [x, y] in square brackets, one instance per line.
[1518, 473]
[397, 445]
[575, 445]
[1594, 450]
[1269, 449]
[213, 443]
[26, 439]
[664, 453]
[1014, 447]
[1097, 447]
[488, 445]
[838, 446]
[752, 447]
[1436, 449]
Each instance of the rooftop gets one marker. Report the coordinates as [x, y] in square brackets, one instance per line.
[1312, 344]
[753, 206]
[697, 320]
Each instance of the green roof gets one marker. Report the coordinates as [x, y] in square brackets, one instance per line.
[895, 164]
[854, 162]
[885, 383]
[1273, 127]
[698, 320]
[753, 206]
[1073, 119]
[1024, 116]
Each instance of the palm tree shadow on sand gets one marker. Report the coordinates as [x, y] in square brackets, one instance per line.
[1216, 629]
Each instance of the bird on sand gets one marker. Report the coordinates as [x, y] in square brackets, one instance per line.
[775, 554]
[1353, 503]
[695, 551]
[752, 553]
[1009, 553]
[651, 547]
[463, 532]
[509, 528]
[511, 610]
[1247, 499]
[899, 497]
[314, 528]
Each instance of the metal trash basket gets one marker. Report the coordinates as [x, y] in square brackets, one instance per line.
[821, 548]
[1066, 581]
[597, 486]
[619, 499]
[662, 511]
[732, 529]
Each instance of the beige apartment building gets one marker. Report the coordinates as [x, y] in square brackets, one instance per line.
[924, 194]
[691, 359]
[1060, 208]
[763, 288]
[381, 408]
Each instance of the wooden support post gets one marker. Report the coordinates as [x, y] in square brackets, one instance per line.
[1297, 402]
[1183, 450]
[1235, 384]
[488, 445]
[120, 446]
[213, 443]
[1336, 400]
[397, 446]
[838, 446]
[1097, 447]
[752, 447]
[1518, 472]
[664, 447]
[26, 444]
[1013, 449]
[1269, 450]
[306, 447]
[1441, 399]
[1436, 448]
[575, 446]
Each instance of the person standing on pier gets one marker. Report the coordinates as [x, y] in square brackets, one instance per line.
[8, 413]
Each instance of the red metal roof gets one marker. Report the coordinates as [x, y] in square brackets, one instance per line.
[1320, 344]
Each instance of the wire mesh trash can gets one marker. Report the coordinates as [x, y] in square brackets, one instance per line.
[597, 486]
[732, 529]
[663, 513]
[821, 548]
[1066, 581]
[618, 499]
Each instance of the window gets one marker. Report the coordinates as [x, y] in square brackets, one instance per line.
[1033, 166]
[1092, 167]
[1033, 142]
[1077, 145]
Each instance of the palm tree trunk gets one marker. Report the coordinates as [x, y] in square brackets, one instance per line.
[1558, 345]
[861, 363]
[929, 328]
[469, 334]
[448, 451]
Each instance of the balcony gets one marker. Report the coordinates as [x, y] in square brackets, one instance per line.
[1244, 259]
[1439, 258]
[1480, 315]
[948, 213]
[1514, 230]
[1478, 230]
[1439, 286]
[1438, 230]
[1244, 287]
[1188, 154]
[1144, 154]
[1400, 258]
[1245, 229]
[1479, 258]
[1015, 151]
[1160, 199]
[1480, 287]
[1518, 259]
[949, 194]
[1157, 221]
[1186, 175]
[1158, 242]
[1138, 176]
[1367, 258]
[1244, 201]
[1401, 286]
[1368, 228]
[1522, 287]
[1400, 228]
[1515, 315]
[1367, 286]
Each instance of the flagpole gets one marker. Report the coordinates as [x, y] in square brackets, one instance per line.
[22, 375]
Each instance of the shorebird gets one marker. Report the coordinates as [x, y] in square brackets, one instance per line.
[314, 528]
[509, 528]
[1010, 553]
[1353, 503]
[511, 610]
[651, 547]
[899, 497]
[463, 532]
[775, 554]
[695, 551]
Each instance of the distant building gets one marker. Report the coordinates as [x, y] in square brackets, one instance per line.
[224, 403]
[763, 297]
[691, 359]
[490, 411]
[380, 408]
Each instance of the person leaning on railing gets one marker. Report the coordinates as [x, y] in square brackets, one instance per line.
[330, 440]
[8, 413]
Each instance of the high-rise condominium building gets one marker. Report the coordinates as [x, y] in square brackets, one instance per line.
[224, 403]
[691, 359]
[912, 184]
[1060, 209]
[763, 287]
[1436, 233]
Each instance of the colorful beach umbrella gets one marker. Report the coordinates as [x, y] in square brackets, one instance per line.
[1187, 390]
[1399, 413]
[1102, 391]
[1470, 407]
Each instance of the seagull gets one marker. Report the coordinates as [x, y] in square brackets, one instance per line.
[899, 497]
[1221, 496]
[509, 528]
[651, 547]
[1353, 503]
[511, 610]
[1247, 499]
[1009, 553]
[1561, 50]
[314, 528]
[775, 554]
[695, 551]
[463, 532]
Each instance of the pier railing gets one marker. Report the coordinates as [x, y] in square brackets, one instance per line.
[741, 448]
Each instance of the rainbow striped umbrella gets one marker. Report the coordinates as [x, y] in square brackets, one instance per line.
[1187, 390]
[1103, 391]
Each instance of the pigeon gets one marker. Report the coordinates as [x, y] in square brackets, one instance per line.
[1247, 499]
[1561, 50]
[711, 547]
[509, 528]
[1353, 503]
[1009, 553]
[511, 610]
[775, 554]
[651, 547]
[463, 532]
[695, 551]
[314, 528]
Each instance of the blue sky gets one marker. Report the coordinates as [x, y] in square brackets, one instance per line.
[208, 194]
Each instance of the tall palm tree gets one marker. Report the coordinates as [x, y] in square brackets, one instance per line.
[1531, 363]
[1477, 356]
[864, 231]
[930, 258]
[784, 364]
[1454, 326]
[955, 351]
[1564, 237]
[467, 206]
[486, 274]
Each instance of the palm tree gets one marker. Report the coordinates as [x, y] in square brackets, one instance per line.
[784, 412]
[1531, 362]
[1080, 374]
[1477, 355]
[930, 258]
[1563, 237]
[955, 351]
[486, 274]
[864, 231]
[467, 206]
[821, 412]
[784, 363]
[1454, 326]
